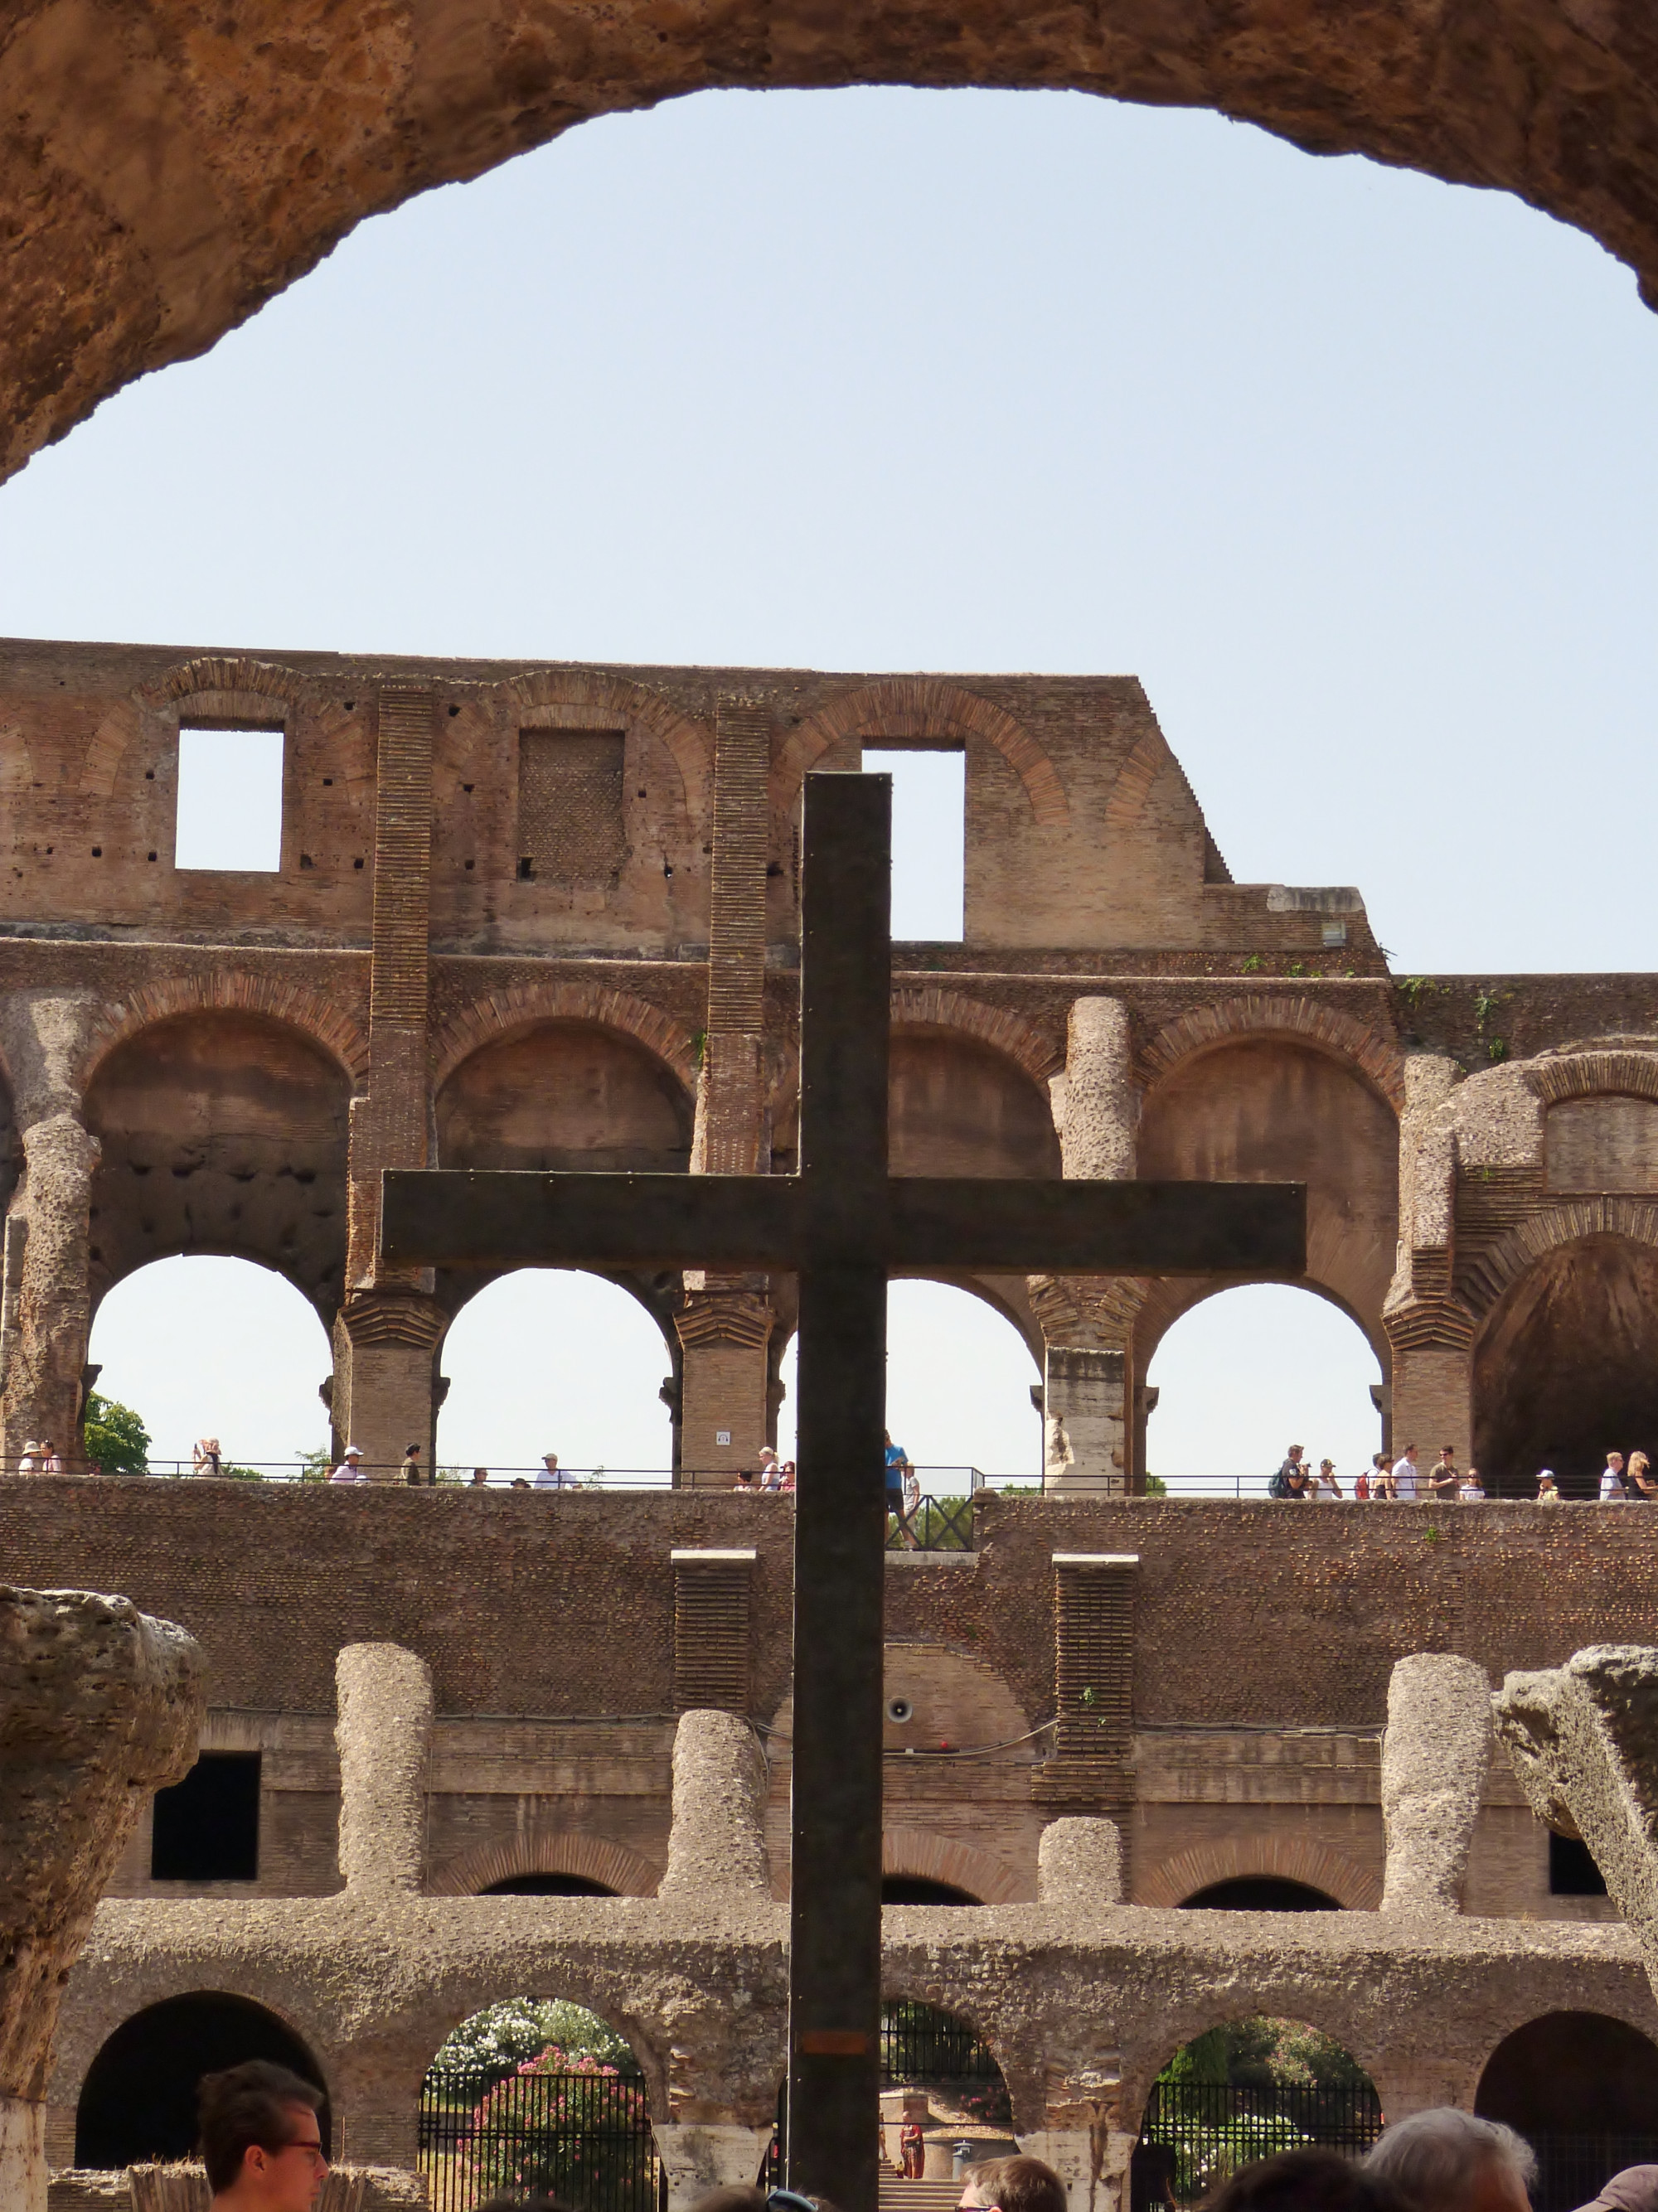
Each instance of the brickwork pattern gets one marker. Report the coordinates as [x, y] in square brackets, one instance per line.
[570, 804]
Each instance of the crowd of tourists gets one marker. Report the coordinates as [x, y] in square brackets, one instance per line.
[1621, 1483]
[261, 2144]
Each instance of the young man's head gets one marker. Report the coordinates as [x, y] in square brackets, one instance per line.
[1012, 2184]
[1615, 1460]
[1448, 1452]
[1296, 1451]
[1411, 1453]
[260, 2141]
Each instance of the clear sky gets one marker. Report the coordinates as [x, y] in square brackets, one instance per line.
[1358, 472]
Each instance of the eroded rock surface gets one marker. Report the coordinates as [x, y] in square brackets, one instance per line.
[1434, 1756]
[165, 171]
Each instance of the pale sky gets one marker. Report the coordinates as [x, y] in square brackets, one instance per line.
[1356, 470]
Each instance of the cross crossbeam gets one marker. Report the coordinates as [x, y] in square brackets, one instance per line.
[843, 1225]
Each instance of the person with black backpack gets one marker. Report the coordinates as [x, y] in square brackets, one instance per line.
[1290, 1480]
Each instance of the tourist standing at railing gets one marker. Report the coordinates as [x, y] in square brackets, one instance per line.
[51, 1459]
[413, 1473]
[911, 1500]
[1327, 1486]
[771, 1471]
[1547, 1491]
[1362, 1487]
[550, 1475]
[351, 1467]
[1404, 1479]
[1381, 1478]
[1444, 1478]
[1642, 1488]
[1290, 1480]
[1612, 1491]
[204, 1455]
[786, 1476]
[480, 1478]
[1472, 1490]
[898, 1464]
[30, 1462]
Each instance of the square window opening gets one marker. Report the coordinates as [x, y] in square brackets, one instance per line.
[206, 1827]
[1572, 1871]
[929, 840]
[229, 811]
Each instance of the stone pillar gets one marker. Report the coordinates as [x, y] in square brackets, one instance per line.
[103, 1705]
[712, 2154]
[724, 1327]
[716, 1844]
[384, 1340]
[1093, 2162]
[45, 1303]
[1435, 1751]
[1087, 1375]
[1084, 1440]
[384, 1736]
[1429, 1330]
[1079, 1863]
[389, 1324]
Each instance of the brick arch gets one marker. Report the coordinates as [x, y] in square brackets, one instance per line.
[1307, 1021]
[500, 1014]
[1502, 1264]
[916, 706]
[1290, 1858]
[690, 742]
[545, 1851]
[932, 1858]
[228, 686]
[1040, 1056]
[231, 991]
[1619, 1073]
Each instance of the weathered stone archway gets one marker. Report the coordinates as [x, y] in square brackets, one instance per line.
[164, 177]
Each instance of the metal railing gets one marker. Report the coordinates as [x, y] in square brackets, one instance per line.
[950, 1486]
[1572, 2169]
[918, 2043]
[936, 1524]
[1196, 2133]
[583, 2135]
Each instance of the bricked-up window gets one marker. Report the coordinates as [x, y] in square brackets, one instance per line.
[929, 840]
[570, 807]
[1572, 1871]
[229, 813]
[207, 1826]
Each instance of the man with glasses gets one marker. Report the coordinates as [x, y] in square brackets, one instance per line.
[261, 2144]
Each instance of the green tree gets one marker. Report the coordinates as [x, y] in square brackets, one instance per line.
[117, 1441]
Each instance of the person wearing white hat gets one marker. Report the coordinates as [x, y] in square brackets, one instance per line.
[351, 1467]
[30, 1463]
[1634, 2190]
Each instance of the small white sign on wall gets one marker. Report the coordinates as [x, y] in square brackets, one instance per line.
[722, 1436]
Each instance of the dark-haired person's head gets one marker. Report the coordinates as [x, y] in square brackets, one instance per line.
[260, 2141]
[1305, 2181]
[1012, 2184]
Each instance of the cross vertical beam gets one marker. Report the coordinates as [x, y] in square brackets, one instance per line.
[840, 1512]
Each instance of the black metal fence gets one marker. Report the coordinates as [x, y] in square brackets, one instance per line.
[920, 2044]
[1196, 2133]
[938, 1524]
[1573, 2168]
[583, 2136]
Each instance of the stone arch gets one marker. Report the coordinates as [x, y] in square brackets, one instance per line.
[1501, 1265]
[1291, 1858]
[690, 743]
[1166, 1299]
[1575, 2071]
[954, 1013]
[502, 1014]
[1308, 1020]
[934, 1858]
[545, 1850]
[916, 707]
[232, 688]
[1554, 1078]
[324, 1022]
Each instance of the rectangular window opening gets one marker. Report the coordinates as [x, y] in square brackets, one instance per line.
[929, 840]
[207, 1826]
[1572, 1871]
[229, 813]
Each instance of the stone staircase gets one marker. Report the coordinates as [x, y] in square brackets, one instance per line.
[898, 2195]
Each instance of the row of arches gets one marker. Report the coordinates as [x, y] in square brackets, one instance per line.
[1563, 2074]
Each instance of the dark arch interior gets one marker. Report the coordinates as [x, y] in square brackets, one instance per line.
[1574, 2073]
[139, 2099]
[920, 1889]
[1567, 1370]
[547, 1884]
[1259, 1892]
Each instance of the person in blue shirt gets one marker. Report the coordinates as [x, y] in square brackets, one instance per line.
[897, 1463]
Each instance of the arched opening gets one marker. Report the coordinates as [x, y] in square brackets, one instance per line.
[550, 1359]
[1566, 1368]
[922, 1889]
[941, 2087]
[1582, 2088]
[538, 2093]
[221, 1133]
[958, 1108]
[564, 1095]
[548, 1885]
[1259, 1892]
[138, 2101]
[1242, 2091]
[1243, 1373]
[959, 1379]
[210, 1347]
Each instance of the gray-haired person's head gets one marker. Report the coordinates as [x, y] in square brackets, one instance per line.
[1445, 2160]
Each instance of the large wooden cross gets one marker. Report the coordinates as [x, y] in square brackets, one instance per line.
[842, 1224]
